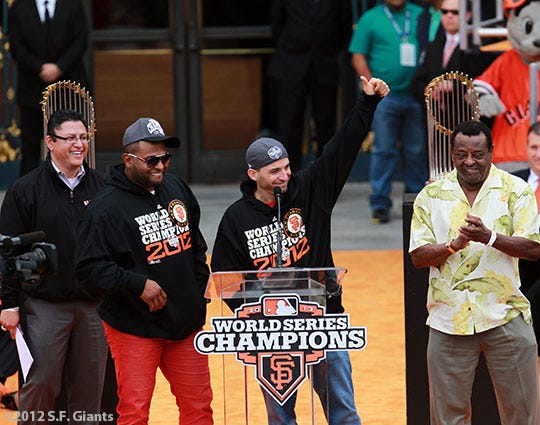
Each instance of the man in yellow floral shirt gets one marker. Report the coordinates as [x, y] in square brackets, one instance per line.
[470, 228]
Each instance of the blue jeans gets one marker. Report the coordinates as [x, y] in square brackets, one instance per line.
[337, 398]
[399, 117]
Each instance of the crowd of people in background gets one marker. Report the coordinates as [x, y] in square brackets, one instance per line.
[402, 41]
[395, 48]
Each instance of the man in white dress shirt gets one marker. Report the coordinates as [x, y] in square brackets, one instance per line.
[529, 271]
[48, 39]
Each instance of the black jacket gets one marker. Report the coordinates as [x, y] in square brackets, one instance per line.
[40, 200]
[431, 64]
[523, 174]
[246, 235]
[309, 35]
[129, 235]
[31, 47]
[529, 271]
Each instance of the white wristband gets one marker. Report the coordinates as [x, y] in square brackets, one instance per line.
[11, 309]
[492, 238]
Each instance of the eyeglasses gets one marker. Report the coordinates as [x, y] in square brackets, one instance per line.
[72, 138]
[452, 11]
[152, 161]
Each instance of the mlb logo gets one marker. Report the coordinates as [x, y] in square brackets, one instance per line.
[280, 306]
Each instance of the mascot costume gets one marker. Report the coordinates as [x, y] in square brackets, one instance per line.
[504, 87]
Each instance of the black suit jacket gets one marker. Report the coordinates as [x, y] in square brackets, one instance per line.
[524, 174]
[529, 271]
[309, 35]
[431, 64]
[67, 41]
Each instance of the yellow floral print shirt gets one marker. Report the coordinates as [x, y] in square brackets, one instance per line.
[477, 288]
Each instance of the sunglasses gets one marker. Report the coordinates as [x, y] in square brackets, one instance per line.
[452, 11]
[152, 161]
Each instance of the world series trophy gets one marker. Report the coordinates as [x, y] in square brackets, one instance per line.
[70, 95]
[450, 99]
[278, 331]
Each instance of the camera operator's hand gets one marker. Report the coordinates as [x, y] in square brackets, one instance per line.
[153, 295]
[9, 320]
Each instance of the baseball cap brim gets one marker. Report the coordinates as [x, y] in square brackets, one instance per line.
[170, 141]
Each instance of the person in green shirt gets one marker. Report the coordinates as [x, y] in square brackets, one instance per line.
[385, 45]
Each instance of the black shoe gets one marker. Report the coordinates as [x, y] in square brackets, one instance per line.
[380, 216]
[8, 400]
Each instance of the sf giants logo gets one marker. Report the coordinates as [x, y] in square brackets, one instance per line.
[281, 374]
[281, 367]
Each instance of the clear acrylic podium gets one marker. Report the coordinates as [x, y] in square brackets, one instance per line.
[262, 310]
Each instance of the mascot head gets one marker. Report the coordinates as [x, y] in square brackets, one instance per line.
[523, 26]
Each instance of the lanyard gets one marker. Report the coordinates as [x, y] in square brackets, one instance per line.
[401, 34]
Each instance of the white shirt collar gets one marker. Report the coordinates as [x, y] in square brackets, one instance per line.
[533, 180]
[454, 37]
[51, 5]
[70, 182]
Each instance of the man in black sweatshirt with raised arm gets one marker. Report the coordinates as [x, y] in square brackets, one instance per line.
[308, 199]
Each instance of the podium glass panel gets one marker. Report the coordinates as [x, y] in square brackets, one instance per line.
[275, 323]
[309, 283]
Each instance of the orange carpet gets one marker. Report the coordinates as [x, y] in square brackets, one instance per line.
[373, 296]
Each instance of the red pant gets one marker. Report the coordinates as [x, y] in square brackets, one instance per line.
[136, 360]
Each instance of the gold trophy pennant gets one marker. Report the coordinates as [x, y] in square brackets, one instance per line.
[70, 95]
[450, 99]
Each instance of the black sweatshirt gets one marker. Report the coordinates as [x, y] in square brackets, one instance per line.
[128, 235]
[246, 237]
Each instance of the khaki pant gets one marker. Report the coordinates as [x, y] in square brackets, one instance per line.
[511, 358]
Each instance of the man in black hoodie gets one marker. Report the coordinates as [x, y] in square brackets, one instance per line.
[308, 199]
[140, 244]
[57, 314]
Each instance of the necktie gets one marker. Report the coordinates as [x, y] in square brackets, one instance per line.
[47, 27]
[448, 50]
[47, 16]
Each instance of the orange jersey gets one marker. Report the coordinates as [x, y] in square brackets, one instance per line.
[509, 76]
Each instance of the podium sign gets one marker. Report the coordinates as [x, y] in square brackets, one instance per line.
[279, 328]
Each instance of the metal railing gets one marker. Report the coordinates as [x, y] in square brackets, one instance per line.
[479, 28]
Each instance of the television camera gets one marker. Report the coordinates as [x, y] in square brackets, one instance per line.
[27, 266]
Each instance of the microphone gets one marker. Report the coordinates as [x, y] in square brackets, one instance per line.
[7, 243]
[277, 194]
